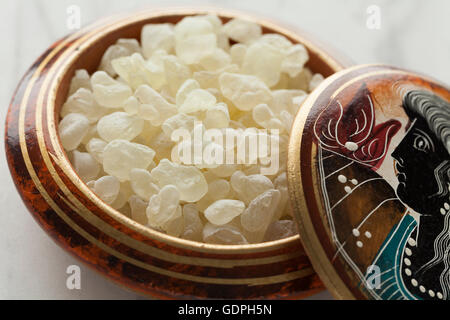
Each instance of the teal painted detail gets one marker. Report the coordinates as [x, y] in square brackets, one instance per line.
[389, 260]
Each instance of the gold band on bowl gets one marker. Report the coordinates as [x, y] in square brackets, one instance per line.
[74, 46]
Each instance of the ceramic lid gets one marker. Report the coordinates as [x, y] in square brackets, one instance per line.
[369, 177]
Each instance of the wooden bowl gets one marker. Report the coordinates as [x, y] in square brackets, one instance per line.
[131, 254]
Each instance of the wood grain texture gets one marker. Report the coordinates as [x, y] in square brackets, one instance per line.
[142, 260]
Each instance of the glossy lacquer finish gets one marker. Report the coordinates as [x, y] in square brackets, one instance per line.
[369, 169]
[112, 244]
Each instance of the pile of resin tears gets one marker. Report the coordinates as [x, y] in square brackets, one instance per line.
[200, 74]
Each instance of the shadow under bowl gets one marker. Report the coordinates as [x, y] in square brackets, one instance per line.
[124, 251]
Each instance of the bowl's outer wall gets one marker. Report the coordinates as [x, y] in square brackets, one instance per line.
[67, 214]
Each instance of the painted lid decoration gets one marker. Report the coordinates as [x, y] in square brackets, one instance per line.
[369, 176]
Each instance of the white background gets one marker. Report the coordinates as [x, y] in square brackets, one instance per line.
[414, 34]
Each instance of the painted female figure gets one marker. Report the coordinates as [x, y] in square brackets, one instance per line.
[422, 163]
[388, 207]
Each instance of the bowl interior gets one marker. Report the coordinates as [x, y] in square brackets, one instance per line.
[89, 58]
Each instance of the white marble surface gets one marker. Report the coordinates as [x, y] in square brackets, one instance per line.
[414, 34]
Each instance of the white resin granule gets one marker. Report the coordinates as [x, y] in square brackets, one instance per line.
[147, 131]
